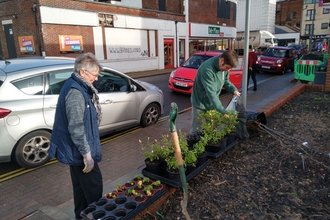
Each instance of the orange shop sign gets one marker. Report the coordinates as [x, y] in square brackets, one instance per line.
[70, 43]
[26, 44]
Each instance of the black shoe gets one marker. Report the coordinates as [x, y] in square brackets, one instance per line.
[255, 89]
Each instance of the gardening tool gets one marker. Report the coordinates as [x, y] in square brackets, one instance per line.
[178, 155]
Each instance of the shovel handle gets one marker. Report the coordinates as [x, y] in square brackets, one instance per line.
[174, 134]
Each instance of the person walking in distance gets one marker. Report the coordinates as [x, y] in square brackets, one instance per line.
[212, 75]
[75, 139]
[252, 60]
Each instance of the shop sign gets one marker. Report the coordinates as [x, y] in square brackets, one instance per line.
[26, 44]
[214, 30]
[70, 43]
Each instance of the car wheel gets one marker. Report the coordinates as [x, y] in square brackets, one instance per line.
[150, 115]
[283, 70]
[32, 149]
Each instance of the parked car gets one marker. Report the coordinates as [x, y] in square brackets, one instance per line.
[29, 89]
[301, 49]
[182, 79]
[277, 60]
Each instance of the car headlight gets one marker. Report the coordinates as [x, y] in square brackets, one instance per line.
[172, 74]
[279, 61]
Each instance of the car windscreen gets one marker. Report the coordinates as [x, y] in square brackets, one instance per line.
[239, 65]
[272, 52]
[295, 46]
[195, 61]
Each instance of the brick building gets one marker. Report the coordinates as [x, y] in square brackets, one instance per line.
[129, 35]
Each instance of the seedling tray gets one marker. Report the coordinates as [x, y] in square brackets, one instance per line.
[176, 184]
[222, 151]
[120, 208]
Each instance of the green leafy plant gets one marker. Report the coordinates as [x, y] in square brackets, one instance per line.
[148, 190]
[190, 158]
[120, 188]
[138, 177]
[171, 161]
[156, 183]
[214, 127]
[111, 195]
[146, 180]
[129, 183]
[131, 192]
[151, 149]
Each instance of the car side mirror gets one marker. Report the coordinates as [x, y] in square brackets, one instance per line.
[133, 88]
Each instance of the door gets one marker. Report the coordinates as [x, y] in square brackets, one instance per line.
[10, 40]
[168, 53]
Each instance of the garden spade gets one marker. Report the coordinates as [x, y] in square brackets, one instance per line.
[177, 150]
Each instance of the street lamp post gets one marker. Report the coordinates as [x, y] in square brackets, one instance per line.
[311, 34]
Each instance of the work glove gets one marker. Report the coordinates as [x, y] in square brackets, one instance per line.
[89, 163]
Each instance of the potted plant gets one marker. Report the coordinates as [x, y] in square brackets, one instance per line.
[137, 177]
[148, 190]
[215, 128]
[111, 195]
[157, 185]
[193, 138]
[130, 184]
[121, 189]
[130, 193]
[230, 126]
[139, 186]
[146, 181]
[190, 161]
[151, 153]
[140, 197]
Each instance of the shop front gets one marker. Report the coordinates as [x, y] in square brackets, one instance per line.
[203, 37]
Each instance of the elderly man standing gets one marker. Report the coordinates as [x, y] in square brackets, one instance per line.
[75, 139]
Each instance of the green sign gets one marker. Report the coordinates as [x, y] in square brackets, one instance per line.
[214, 30]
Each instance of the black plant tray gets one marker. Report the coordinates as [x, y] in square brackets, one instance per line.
[222, 151]
[176, 184]
[126, 208]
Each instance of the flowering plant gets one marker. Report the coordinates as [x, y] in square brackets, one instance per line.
[157, 149]
[151, 149]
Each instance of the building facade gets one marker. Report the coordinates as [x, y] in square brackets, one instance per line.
[315, 25]
[128, 35]
[262, 15]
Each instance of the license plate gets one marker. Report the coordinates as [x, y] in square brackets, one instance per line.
[265, 67]
[181, 84]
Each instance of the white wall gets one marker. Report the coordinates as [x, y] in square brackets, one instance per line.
[129, 32]
[262, 15]
[68, 16]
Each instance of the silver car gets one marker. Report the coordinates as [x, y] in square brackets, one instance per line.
[29, 89]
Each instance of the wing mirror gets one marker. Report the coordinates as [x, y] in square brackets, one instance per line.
[133, 88]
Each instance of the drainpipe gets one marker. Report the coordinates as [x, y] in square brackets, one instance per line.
[34, 10]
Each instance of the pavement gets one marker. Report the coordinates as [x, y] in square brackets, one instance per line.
[46, 193]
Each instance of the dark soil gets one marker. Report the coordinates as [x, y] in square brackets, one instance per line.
[267, 176]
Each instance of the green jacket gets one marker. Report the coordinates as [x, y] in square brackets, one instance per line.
[208, 85]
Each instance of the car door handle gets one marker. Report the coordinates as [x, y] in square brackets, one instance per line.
[52, 106]
[106, 102]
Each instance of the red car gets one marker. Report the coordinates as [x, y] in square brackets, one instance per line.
[277, 60]
[182, 79]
